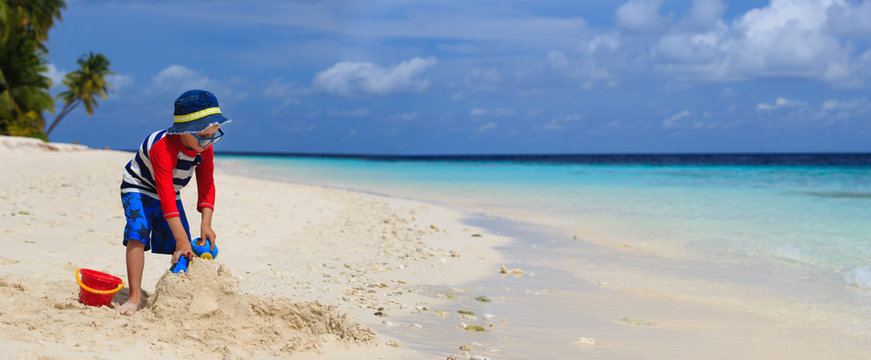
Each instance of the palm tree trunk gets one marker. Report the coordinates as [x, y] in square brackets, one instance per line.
[68, 107]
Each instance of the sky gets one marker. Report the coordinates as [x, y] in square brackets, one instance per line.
[481, 77]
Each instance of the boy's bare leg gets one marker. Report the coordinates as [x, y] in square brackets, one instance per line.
[135, 267]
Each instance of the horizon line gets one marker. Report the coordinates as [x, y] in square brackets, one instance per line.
[443, 155]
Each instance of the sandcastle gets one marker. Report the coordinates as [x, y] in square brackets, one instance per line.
[200, 314]
[206, 306]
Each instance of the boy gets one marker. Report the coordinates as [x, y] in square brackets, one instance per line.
[163, 165]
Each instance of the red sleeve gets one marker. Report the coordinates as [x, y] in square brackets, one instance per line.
[205, 181]
[163, 160]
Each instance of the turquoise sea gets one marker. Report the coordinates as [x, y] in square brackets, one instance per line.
[795, 228]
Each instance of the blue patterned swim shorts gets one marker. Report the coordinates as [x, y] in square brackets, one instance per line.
[145, 223]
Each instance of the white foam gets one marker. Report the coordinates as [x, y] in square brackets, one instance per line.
[789, 252]
[860, 277]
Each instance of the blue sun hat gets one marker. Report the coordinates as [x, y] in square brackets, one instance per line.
[196, 110]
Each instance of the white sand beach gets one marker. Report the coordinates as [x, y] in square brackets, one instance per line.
[324, 260]
[313, 272]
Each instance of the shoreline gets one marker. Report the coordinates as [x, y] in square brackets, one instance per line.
[551, 312]
[627, 275]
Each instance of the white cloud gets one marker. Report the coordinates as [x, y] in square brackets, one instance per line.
[486, 127]
[594, 62]
[607, 42]
[850, 20]
[706, 14]
[855, 105]
[830, 105]
[785, 39]
[177, 78]
[557, 60]
[484, 79]
[55, 75]
[680, 115]
[120, 82]
[672, 121]
[819, 40]
[477, 112]
[842, 110]
[457, 96]
[827, 113]
[640, 15]
[779, 104]
[365, 78]
[560, 122]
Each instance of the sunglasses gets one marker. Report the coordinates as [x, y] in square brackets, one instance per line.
[203, 142]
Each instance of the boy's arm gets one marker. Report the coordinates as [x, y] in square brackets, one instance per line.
[182, 245]
[206, 227]
[162, 163]
[205, 181]
[206, 194]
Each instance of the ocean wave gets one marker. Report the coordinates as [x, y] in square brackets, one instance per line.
[790, 253]
[860, 277]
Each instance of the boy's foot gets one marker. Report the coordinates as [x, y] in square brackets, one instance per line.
[128, 308]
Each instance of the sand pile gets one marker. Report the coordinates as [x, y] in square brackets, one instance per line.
[201, 314]
[207, 306]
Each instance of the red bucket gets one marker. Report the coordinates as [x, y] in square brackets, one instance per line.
[98, 288]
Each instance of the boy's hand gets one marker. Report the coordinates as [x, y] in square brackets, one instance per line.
[182, 248]
[182, 243]
[206, 232]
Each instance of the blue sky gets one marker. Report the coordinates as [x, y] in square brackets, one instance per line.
[500, 76]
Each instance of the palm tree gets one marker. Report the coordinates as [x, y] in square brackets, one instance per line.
[24, 26]
[30, 18]
[23, 92]
[84, 84]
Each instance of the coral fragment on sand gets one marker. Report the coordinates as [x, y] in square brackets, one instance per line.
[515, 271]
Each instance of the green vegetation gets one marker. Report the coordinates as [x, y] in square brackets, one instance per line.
[84, 84]
[24, 88]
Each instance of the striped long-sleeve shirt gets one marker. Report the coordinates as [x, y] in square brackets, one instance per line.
[163, 166]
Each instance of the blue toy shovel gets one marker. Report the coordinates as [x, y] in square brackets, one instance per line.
[201, 251]
[181, 265]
